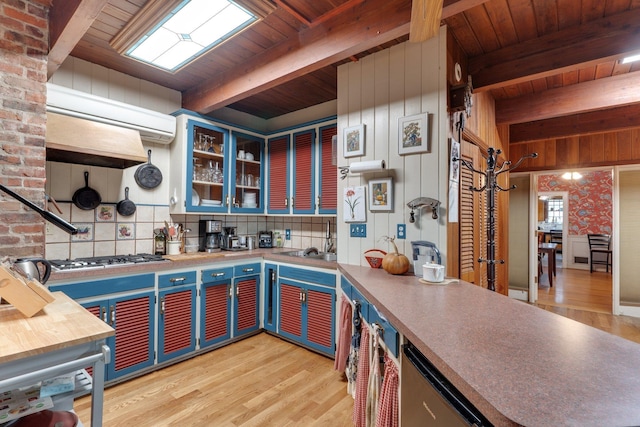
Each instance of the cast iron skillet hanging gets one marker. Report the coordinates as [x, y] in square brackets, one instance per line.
[126, 207]
[86, 198]
[148, 176]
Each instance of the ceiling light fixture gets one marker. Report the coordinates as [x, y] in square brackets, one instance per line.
[188, 31]
[572, 175]
[631, 58]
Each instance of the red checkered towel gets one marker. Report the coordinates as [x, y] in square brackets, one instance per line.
[388, 411]
[359, 417]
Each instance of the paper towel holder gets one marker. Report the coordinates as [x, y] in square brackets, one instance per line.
[344, 170]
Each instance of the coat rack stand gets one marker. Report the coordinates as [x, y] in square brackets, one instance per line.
[491, 186]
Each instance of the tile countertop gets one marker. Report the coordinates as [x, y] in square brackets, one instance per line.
[518, 364]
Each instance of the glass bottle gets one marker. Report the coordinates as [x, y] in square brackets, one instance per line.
[159, 241]
[217, 174]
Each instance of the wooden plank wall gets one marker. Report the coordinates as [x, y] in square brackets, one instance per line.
[602, 149]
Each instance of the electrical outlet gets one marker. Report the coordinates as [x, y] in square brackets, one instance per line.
[287, 234]
[401, 232]
[358, 230]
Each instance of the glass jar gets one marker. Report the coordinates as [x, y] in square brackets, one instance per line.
[217, 174]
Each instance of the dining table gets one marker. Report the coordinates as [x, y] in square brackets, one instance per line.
[549, 249]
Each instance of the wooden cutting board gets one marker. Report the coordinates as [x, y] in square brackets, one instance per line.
[195, 255]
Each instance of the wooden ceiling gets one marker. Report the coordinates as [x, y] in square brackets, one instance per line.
[541, 60]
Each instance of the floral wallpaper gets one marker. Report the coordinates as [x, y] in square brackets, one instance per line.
[590, 200]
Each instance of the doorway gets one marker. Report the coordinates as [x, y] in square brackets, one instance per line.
[585, 205]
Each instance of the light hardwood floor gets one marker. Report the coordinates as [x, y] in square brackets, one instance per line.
[259, 381]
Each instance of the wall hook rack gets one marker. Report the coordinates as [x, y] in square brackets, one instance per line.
[491, 186]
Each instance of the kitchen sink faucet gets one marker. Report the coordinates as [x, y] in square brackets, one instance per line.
[328, 243]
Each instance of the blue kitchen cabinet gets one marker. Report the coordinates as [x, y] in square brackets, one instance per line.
[176, 314]
[246, 310]
[131, 314]
[215, 306]
[246, 183]
[306, 307]
[270, 308]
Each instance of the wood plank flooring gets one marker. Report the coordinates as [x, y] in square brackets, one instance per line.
[259, 381]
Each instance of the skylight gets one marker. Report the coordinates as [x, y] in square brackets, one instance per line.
[190, 30]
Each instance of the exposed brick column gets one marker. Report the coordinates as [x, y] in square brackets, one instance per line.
[24, 32]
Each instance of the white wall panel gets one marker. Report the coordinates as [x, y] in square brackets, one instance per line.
[404, 80]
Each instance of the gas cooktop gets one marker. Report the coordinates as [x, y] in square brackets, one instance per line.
[103, 261]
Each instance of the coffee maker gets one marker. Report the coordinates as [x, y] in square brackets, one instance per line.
[210, 235]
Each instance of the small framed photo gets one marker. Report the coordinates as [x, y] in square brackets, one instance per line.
[354, 204]
[413, 134]
[354, 141]
[381, 194]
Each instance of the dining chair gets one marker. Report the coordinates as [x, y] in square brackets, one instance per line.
[600, 252]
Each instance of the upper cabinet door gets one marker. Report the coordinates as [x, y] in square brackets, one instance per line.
[328, 172]
[278, 172]
[303, 201]
[246, 158]
[206, 168]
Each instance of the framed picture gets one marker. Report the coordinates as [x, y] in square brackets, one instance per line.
[381, 191]
[413, 134]
[354, 204]
[354, 141]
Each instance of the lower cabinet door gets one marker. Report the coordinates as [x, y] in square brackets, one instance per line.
[320, 306]
[215, 309]
[132, 318]
[290, 311]
[246, 311]
[177, 326]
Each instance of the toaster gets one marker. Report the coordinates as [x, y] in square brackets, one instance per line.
[265, 239]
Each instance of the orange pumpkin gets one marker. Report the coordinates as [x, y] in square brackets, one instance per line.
[394, 262]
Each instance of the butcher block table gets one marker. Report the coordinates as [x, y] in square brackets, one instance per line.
[62, 338]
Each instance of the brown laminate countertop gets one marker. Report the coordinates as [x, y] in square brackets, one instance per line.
[518, 364]
[196, 260]
[60, 324]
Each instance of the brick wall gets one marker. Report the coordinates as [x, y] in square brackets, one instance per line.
[23, 74]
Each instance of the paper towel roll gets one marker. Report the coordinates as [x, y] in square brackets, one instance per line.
[368, 166]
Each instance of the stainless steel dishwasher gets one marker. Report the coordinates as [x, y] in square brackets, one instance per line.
[428, 399]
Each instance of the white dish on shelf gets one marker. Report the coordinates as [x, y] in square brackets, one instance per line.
[195, 197]
[210, 202]
[250, 205]
[248, 156]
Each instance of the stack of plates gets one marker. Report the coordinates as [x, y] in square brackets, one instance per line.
[208, 202]
[249, 200]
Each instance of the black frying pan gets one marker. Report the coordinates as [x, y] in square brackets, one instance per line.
[86, 198]
[126, 207]
[148, 176]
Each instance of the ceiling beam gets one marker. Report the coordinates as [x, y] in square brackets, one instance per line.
[69, 20]
[611, 120]
[609, 38]
[357, 29]
[593, 95]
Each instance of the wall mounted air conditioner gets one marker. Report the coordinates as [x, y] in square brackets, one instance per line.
[153, 126]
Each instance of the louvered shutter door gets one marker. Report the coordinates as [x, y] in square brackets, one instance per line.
[329, 172]
[319, 318]
[216, 311]
[304, 170]
[278, 175]
[290, 310]
[95, 310]
[133, 328]
[482, 237]
[247, 301]
[467, 226]
[177, 321]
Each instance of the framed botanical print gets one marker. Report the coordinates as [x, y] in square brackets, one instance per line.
[354, 204]
[381, 194]
[353, 141]
[413, 134]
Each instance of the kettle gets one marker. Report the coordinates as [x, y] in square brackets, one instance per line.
[29, 266]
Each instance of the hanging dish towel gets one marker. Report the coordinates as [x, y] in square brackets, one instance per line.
[374, 378]
[344, 339]
[359, 417]
[388, 410]
[352, 363]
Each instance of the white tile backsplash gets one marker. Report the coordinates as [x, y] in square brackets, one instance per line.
[305, 231]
